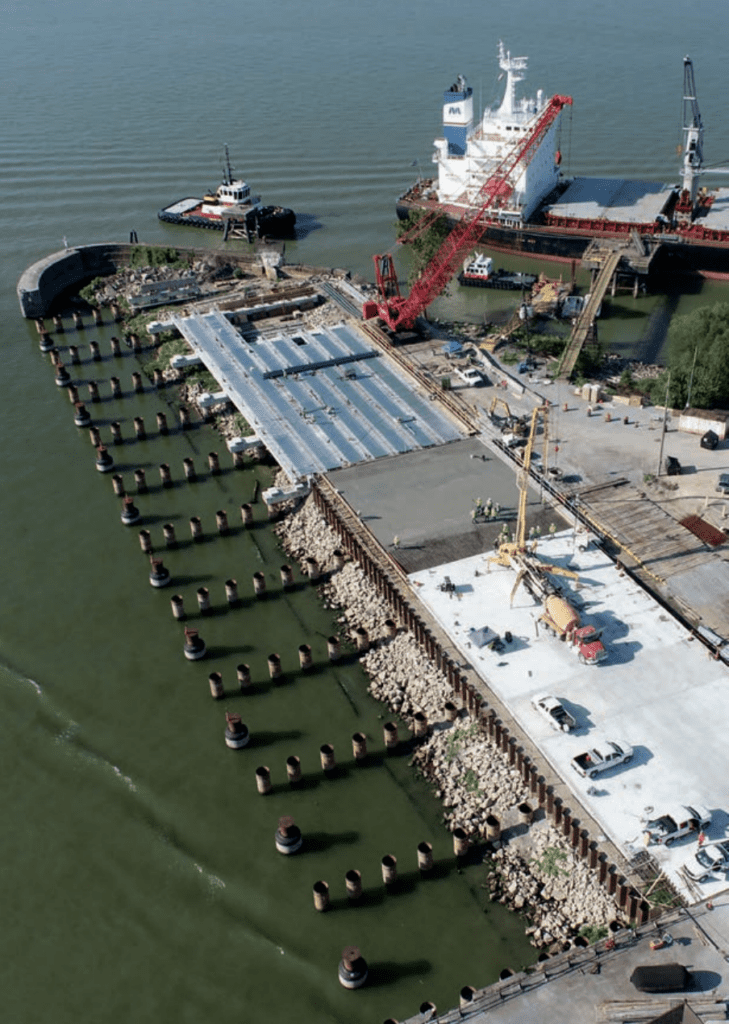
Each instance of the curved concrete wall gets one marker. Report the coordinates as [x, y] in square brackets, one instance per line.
[42, 282]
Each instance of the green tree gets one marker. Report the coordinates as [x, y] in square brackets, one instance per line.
[425, 245]
[698, 356]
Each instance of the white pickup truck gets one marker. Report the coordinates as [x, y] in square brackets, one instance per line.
[555, 712]
[595, 761]
[675, 823]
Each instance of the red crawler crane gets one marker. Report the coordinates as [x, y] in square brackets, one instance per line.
[400, 312]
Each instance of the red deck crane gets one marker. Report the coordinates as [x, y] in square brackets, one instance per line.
[399, 311]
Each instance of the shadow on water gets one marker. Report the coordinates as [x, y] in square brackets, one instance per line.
[267, 738]
[319, 842]
[388, 972]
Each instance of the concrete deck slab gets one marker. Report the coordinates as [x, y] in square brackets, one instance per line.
[658, 690]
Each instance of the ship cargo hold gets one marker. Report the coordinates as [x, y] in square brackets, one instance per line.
[540, 212]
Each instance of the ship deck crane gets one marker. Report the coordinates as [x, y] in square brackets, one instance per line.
[400, 312]
[693, 155]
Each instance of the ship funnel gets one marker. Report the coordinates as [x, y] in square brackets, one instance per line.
[457, 116]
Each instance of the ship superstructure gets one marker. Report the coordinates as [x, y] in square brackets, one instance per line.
[469, 152]
[681, 226]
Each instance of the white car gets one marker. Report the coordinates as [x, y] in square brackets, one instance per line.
[675, 823]
[471, 376]
[708, 859]
[555, 713]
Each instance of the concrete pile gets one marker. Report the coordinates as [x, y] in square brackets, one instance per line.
[535, 871]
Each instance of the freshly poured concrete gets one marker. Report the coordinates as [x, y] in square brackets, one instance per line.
[658, 690]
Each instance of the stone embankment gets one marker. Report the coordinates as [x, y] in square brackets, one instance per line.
[533, 868]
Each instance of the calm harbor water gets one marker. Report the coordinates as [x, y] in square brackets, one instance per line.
[139, 878]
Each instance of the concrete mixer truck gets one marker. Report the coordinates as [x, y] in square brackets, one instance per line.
[561, 619]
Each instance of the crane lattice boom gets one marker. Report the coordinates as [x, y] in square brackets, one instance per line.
[402, 311]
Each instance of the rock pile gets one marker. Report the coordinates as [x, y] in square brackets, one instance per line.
[534, 870]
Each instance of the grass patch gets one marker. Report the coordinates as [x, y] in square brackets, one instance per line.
[550, 862]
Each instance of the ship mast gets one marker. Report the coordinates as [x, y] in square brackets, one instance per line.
[515, 68]
[228, 169]
[694, 132]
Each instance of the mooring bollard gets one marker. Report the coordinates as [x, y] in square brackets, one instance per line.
[203, 600]
[526, 814]
[158, 379]
[451, 711]
[288, 836]
[321, 896]
[311, 569]
[178, 607]
[82, 416]
[78, 322]
[140, 432]
[390, 628]
[63, 377]
[333, 648]
[274, 666]
[73, 352]
[116, 432]
[165, 475]
[389, 869]
[352, 971]
[194, 648]
[184, 415]
[137, 383]
[213, 463]
[145, 541]
[72, 392]
[244, 677]
[215, 681]
[115, 346]
[460, 842]
[362, 639]
[118, 482]
[94, 436]
[339, 559]
[359, 746]
[287, 576]
[140, 479]
[305, 659]
[130, 514]
[196, 530]
[425, 858]
[420, 725]
[263, 779]
[168, 532]
[259, 584]
[162, 423]
[58, 323]
[221, 521]
[189, 468]
[136, 343]
[104, 461]
[246, 514]
[326, 756]
[231, 591]
[159, 575]
[46, 342]
[95, 353]
[116, 390]
[98, 319]
[293, 769]
[236, 732]
[466, 997]
[353, 884]
[390, 734]
[493, 828]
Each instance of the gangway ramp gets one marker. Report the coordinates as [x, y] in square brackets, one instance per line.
[586, 318]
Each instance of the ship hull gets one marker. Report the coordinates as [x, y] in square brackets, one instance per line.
[263, 221]
[676, 254]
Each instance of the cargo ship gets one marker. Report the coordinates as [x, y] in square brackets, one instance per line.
[232, 207]
[540, 212]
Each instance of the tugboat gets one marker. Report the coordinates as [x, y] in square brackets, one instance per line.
[232, 208]
[479, 272]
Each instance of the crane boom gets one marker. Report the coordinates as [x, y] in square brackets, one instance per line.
[401, 311]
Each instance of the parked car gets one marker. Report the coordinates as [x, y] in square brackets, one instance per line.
[554, 711]
[710, 440]
[722, 485]
[594, 761]
[678, 822]
[470, 375]
[714, 857]
[673, 466]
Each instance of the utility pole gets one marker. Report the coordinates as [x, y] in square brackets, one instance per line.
[663, 428]
[691, 378]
